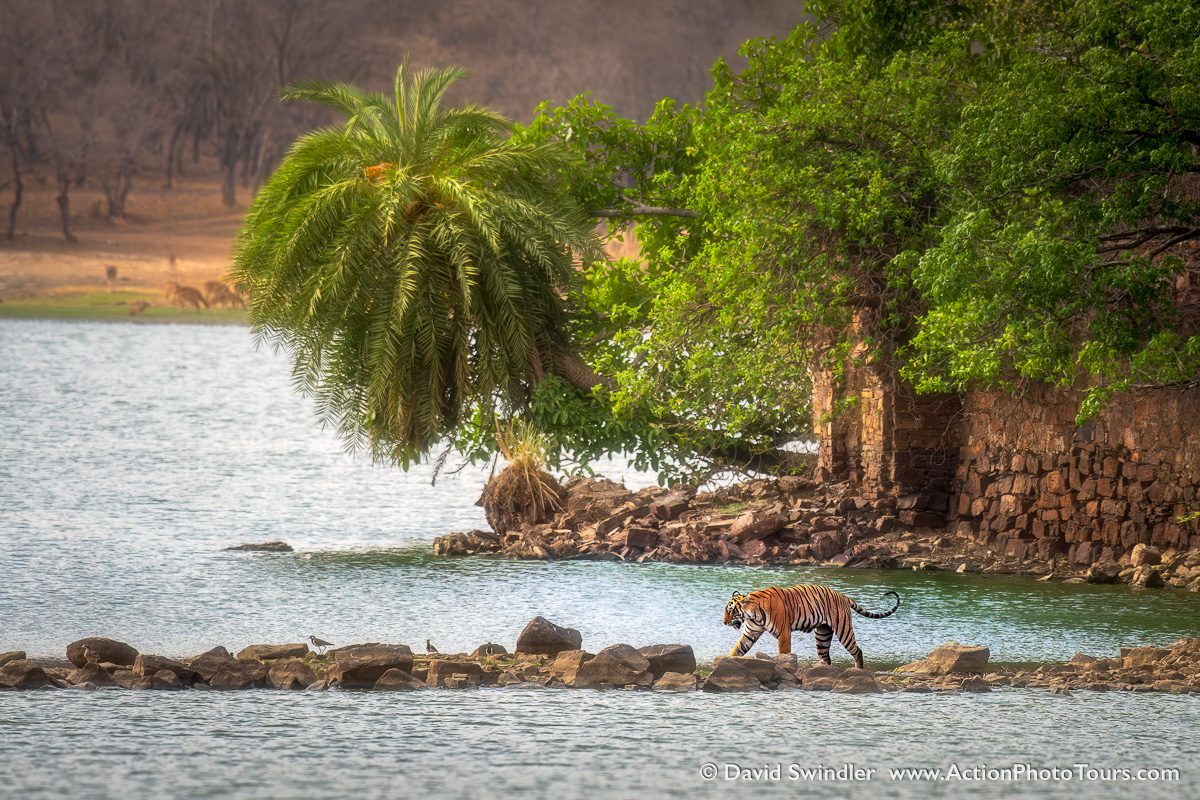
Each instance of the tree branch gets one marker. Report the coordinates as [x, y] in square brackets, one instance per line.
[640, 210]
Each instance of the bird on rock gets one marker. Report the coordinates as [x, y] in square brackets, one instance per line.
[320, 644]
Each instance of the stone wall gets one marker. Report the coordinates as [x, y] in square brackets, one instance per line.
[1034, 484]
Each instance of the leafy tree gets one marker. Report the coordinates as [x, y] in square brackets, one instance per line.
[416, 262]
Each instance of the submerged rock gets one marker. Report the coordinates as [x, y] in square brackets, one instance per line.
[103, 650]
[263, 547]
[543, 637]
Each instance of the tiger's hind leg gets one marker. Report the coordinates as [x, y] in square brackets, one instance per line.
[846, 637]
[824, 635]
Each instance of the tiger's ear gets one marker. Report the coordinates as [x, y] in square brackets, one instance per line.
[738, 596]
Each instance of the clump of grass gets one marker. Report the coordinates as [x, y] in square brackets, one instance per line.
[732, 508]
[523, 493]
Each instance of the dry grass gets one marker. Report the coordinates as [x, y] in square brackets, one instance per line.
[523, 493]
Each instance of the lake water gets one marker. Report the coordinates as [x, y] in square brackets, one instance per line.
[131, 455]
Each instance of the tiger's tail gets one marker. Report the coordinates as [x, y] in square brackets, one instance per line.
[876, 614]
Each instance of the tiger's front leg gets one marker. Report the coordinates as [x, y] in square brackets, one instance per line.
[746, 641]
[785, 642]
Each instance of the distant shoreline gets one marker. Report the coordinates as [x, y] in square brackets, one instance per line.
[119, 306]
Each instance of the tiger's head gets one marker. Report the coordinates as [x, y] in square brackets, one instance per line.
[733, 610]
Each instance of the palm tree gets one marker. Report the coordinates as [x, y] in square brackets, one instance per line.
[415, 262]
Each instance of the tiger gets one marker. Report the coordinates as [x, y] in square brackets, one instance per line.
[805, 608]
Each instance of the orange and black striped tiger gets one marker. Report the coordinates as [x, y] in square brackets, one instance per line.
[818, 609]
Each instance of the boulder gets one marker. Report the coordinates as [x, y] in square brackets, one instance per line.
[821, 677]
[856, 681]
[290, 673]
[447, 674]
[666, 658]
[206, 665]
[125, 678]
[567, 663]
[24, 674]
[489, 649]
[92, 676]
[676, 682]
[163, 680]
[145, 665]
[103, 649]
[11, 655]
[239, 675]
[951, 658]
[469, 543]
[618, 665]
[752, 526]
[270, 652]
[544, 637]
[263, 547]
[1143, 555]
[739, 674]
[975, 684]
[671, 504]
[824, 546]
[397, 680]
[1103, 572]
[361, 666]
[1147, 578]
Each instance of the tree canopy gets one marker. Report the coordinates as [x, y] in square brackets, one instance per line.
[999, 196]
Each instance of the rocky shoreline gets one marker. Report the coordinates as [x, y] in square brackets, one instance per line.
[547, 655]
[792, 520]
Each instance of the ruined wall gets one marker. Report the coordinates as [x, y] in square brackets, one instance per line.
[1036, 485]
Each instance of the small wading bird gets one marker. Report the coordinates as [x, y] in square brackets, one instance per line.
[320, 644]
[89, 655]
[429, 648]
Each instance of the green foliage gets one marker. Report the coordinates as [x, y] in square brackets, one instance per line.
[994, 195]
[414, 262]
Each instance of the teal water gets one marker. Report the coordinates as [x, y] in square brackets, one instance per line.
[130, 455]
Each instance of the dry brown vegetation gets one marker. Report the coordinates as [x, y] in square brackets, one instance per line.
[133, 131]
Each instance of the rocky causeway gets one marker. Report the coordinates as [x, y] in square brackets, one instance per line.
[549, 655]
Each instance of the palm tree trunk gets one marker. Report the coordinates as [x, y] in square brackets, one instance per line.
[567, 365]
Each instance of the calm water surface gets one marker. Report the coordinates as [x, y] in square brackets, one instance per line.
[130, 455]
